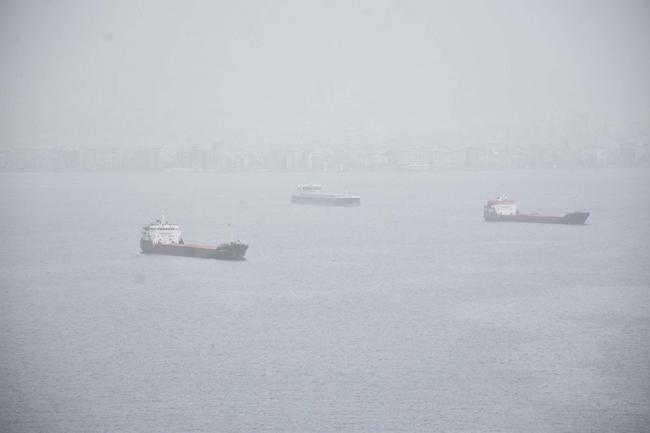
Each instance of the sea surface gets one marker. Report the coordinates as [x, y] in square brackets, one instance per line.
[407, 314]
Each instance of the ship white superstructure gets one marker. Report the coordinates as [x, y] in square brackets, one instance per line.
[162, 232]
[502, 206]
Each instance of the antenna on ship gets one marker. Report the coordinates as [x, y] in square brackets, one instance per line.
[232, 233]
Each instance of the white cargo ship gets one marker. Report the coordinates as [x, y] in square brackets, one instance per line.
[313, 194]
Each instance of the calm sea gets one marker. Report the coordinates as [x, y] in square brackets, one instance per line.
[408, 313]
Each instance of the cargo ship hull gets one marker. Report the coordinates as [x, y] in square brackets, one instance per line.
[572, 218]
[230, 251]
[325, 200]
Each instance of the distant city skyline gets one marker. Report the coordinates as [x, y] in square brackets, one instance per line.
[221, 158]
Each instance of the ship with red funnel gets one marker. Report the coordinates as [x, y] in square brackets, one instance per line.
[161, 237]
[505, 210]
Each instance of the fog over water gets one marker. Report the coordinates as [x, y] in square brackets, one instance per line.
[370, 73]
[407, 313]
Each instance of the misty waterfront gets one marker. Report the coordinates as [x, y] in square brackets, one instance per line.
[135, 136]
[409, 313]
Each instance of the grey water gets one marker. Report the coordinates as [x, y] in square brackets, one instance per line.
[409, 313]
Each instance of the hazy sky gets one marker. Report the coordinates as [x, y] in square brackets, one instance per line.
[275, 73]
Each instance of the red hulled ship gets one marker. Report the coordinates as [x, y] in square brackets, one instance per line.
[162, 237]
[505, 210]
